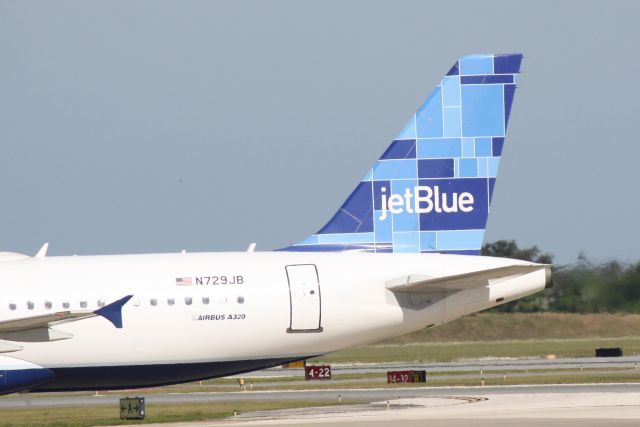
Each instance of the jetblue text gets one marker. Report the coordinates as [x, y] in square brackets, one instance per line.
[425, 199]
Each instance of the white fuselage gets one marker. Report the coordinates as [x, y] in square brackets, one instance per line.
[233, 307]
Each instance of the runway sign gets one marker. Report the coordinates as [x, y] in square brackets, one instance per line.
[395, 377]
[317, 372]
[132, 408]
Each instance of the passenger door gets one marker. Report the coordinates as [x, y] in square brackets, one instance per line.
[304, 297]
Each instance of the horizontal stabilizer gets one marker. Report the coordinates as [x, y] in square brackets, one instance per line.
[457, 282]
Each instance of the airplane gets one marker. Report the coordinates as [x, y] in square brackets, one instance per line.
[401, 253]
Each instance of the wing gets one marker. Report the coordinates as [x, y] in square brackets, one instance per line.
[43, 321]
[444, 284]
[38, 328]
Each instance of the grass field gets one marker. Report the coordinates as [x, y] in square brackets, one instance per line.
[451, 351]
[503, 335]
[526, 326]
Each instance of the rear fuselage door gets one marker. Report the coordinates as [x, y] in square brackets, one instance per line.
[304, 297]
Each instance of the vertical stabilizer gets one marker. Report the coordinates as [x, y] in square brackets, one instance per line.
[431, 189]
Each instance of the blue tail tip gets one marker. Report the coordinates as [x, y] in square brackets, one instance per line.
[504, 63]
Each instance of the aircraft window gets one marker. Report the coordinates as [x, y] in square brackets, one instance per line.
[240, 300]
[101, 302]
[83, 304]
[30, 305]
[171, 301]
[153, 302]
[188, 300]
[205, 300]
[48, 305]
[65, 304]
[12, 306]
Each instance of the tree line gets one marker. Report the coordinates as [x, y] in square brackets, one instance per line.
[583, 287]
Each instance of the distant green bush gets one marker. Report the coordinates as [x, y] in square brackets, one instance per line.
[583, 287]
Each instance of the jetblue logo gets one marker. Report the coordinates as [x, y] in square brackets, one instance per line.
[425, 199]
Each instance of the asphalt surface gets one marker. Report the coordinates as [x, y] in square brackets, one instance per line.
[381, 394]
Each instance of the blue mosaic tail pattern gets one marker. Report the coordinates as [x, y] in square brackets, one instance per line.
[431, 189]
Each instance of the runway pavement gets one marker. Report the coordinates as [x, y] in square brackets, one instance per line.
[521, 409]
[381, 394]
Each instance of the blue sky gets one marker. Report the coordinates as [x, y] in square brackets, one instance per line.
[156, 126]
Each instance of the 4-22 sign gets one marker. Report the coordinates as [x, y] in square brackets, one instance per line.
[317, 372]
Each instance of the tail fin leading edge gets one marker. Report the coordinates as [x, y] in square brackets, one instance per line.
[431, 189]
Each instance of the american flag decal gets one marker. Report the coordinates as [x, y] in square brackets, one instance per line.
[184, 281]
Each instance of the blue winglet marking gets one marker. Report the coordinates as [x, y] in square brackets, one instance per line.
[113, 311]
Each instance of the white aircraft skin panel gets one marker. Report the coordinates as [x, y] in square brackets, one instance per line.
[356, 307]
